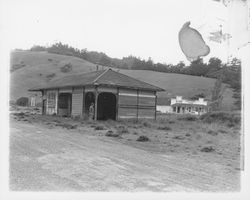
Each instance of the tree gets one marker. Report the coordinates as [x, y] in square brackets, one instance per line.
[197, 68]
[22, 101]
[197, 96]
[217, 93]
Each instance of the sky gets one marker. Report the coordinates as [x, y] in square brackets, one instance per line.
[119, 28]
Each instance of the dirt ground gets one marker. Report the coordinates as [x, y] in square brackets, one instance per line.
[49, 153]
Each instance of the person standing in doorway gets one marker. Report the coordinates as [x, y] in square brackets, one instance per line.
[91, 111]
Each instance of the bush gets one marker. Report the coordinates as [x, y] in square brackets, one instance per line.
[99, 127]
[188, 117]
[110, 133]
[207, 149]
[165, 128]
[230, 118]
[66, 68]
[142, 138]
[67, 126]
[213, 133]
[122, 129]
[22, 101]
[50, 76]
[179, 137]
[147, 124]
[21, 114]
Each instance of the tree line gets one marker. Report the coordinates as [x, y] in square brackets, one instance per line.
[213, 69]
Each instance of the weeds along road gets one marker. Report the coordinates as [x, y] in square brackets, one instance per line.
[55, 159]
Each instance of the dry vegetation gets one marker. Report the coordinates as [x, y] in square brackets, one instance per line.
[214, 137]
[30, 69]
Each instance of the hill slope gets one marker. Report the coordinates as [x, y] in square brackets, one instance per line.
[31, 69]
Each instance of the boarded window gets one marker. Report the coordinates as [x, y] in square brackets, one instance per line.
[63, 101]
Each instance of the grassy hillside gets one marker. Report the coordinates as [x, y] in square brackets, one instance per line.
[30, 69]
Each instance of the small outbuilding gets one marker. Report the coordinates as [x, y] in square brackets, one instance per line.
[106, 93]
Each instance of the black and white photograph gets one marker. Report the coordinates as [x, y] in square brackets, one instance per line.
[124, 97]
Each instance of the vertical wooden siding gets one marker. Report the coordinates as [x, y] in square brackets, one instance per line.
[51, 102]
[77, 102]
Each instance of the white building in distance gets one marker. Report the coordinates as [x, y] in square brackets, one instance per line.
[185, 106]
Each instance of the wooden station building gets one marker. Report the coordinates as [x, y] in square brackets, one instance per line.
[114, 96]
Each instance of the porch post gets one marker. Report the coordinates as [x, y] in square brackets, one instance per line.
[96, 97]
[117, 104]
[137, 105]
[155, 105]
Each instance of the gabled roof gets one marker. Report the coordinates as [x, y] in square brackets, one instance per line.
[103, 77]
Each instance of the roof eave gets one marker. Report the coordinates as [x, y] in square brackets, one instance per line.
[108, 85]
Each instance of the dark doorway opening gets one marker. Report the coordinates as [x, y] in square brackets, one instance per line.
[178, 109]
[64, 104]
[106, 106]
[89, 98]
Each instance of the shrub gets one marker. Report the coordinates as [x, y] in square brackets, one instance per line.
[178, 137]
[50, 76]
[208, 149]
[110, 133]
[66, 68]
[213, 133]
[187, 134]
[122, 129]
[21, 114]
[147, 124]
[188, 117]
[99, 127]
[230, 118]
[166, 128]
[142, 138]
[22, 101]
[222, 131]
[67, 126]
[50, 59]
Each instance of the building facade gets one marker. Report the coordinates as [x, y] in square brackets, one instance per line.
[185, 106]
[110, 94]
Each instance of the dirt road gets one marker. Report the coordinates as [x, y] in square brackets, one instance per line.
[48, 159]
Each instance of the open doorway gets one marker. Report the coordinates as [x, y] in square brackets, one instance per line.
[64, 104]
[106, 106]
[89, 98]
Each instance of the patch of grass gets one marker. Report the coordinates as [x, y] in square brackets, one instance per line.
[142, 138]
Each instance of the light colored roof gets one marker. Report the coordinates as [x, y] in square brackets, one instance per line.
[103, 77]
